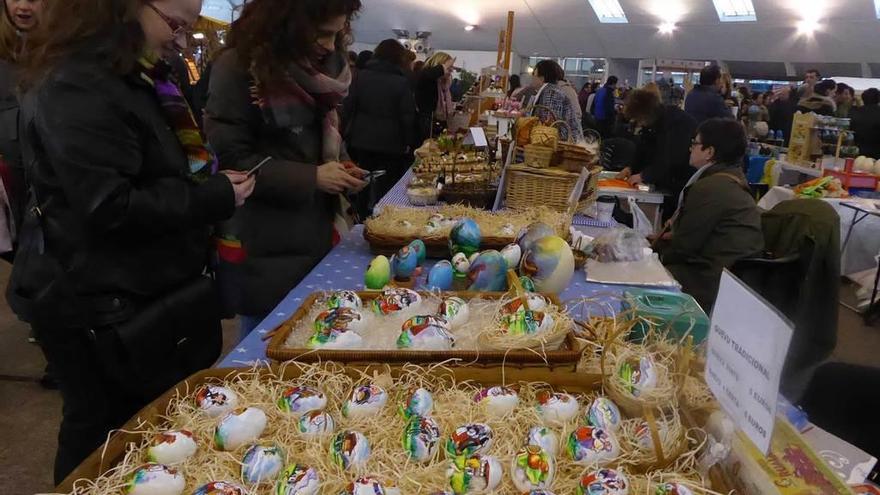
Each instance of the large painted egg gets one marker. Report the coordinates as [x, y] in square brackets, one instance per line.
[216, 401]
[394, 300]
[441, 276]
[404, 263]
[426, 333]
[316, 424]
[239, 428]
[261, 464]
[419, 403]
[335, 329]
[350, 449]
[557, 408]
[369, 485]
[365, 401]
[497, 401]
[532, 468]
[603, 482]
[343, 299]
[455, 310]
[302, 400]
[588, 445]
[549, 263]
[172, 447]
[672, 489]
[532, 234]
[469, 439]
[378, 273]
[543, 437]
[418, 247]
[527, 323]
[639, 377]
[512, 255]
[474, 474]
[421, 438]
[461, 265]
[155, 479]
[298, 480]
[488, 273]
[220, 488]
[465, 237]
[603, 413]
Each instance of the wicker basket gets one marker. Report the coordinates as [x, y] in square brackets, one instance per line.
[474, 195]
[572, 158]
[527, 187]
[545, 135]
[591, 190]
[537, 156]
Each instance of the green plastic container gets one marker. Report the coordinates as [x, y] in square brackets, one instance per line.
[673, 310]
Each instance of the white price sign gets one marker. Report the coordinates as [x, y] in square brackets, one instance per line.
[748, 343]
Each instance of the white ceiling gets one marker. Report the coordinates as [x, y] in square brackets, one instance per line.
[849, 29]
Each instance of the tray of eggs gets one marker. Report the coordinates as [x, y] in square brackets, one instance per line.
[399, 325]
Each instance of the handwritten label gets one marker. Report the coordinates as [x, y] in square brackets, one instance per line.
[479, 137]
[748, 343]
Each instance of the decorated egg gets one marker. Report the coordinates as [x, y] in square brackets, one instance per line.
[465, 237]
[508, 230]
[337, 330]
[532, 234]
[378, 273]
[261, 464]
[365, 401]
[421, 438]
[216, 401]
[172, 447]
[369, 485]
[603, 413]
[473, 258]
[474, 474]
[588, 445]
[543, 437]
[512, 255]
[644, 437]
[350, 449]
[155, 479]
[418, 246]
[419, 403]
[540, 492]
[343, 299]
[404, 263]
[469, 439]
[549, 263]
[302, 400]
[527, 323]
[239, 428]
[394, 300]
[498, 401]
[460, 264]
[603, 482]
[557, 408]
[536, 302]
[316, 424]
[220, 488]
[298, 480]
[488, 272]
[455, 310]
[440, 277]
[527, 283]
[426, 333]
[672, 489]
[532, 468]
[640, 377]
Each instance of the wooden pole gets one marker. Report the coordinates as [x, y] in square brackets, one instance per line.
[508, 47]
[501, 37]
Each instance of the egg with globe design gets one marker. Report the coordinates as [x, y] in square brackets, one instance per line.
[474, 474]
[221, 488]
[465, 237]
[404, 263]
[549, 263]
[155, 479]
[261, 464]
[531, 234]
[441, 276]
[488, 273]
[378, 273]
[298, 479]
[603, 482]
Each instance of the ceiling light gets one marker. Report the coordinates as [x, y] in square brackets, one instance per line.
[877, 7]
[667, 27]
[198, 36]
[807, 26]
[736, 10]
[609, 11]
[470, 27]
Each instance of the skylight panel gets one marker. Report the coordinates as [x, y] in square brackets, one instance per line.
[610, 11]
[737, 10]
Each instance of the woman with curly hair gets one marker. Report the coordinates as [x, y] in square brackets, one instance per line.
[273, 100]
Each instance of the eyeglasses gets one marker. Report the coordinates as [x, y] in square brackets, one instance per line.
[177, 28]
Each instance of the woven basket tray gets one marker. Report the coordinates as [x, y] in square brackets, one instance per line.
[527, 187]
[436, 247]
[569, 353]
[467, 194]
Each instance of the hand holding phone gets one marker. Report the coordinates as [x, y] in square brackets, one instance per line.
[253, 171]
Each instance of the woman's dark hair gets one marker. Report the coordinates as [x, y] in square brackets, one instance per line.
[710, 75]
[611, 81]
[825, 87]
[642, 105]
[514, 84]
[271, 34]
[728, 138]
[549, 70]
[418, 65]
[843, 88]
[362, 58]
[871, 96]
[394, 53]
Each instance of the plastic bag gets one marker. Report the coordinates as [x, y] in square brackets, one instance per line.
[641, 223]
[620, 244]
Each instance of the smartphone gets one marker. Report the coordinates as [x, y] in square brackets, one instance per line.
[375, 174]
[256, 169]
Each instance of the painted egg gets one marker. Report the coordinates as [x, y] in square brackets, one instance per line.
[298, 480]
[543, 437]
[418, 247]
[672, 489]
[172, 447]
[537, 302]
[404, 263]
[498, 401]
[426, 333]
[302, 400]
[540, 492]
[508, 230]
[455, 310]
[527, 323]
[549, 263]
[469, 439]
[528, 284]
[239, 428]
[421, 438]
[465, 237]
[316, 424]
[557, 408]
[488, 272]
[640, 377]
[473, 258]
[512, 255]
[603, 482]
[394, 300]
[532, 468]
[419, 403]
[220, 488]
[588, 445]
[440, 277]
[532, 234]
[343, 299]
[460, 263]
[644, 437]
[603, 413]
[350, 449]
[474, 474]
[369, 485]
[261, 464]
[378, 273]
[365, 401]
[155, 479]
[216, 401]
[335, 329]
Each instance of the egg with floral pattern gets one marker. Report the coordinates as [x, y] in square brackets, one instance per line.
[532, 468]
[474, 474]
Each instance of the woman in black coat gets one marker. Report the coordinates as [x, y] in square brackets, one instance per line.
[433, 95]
